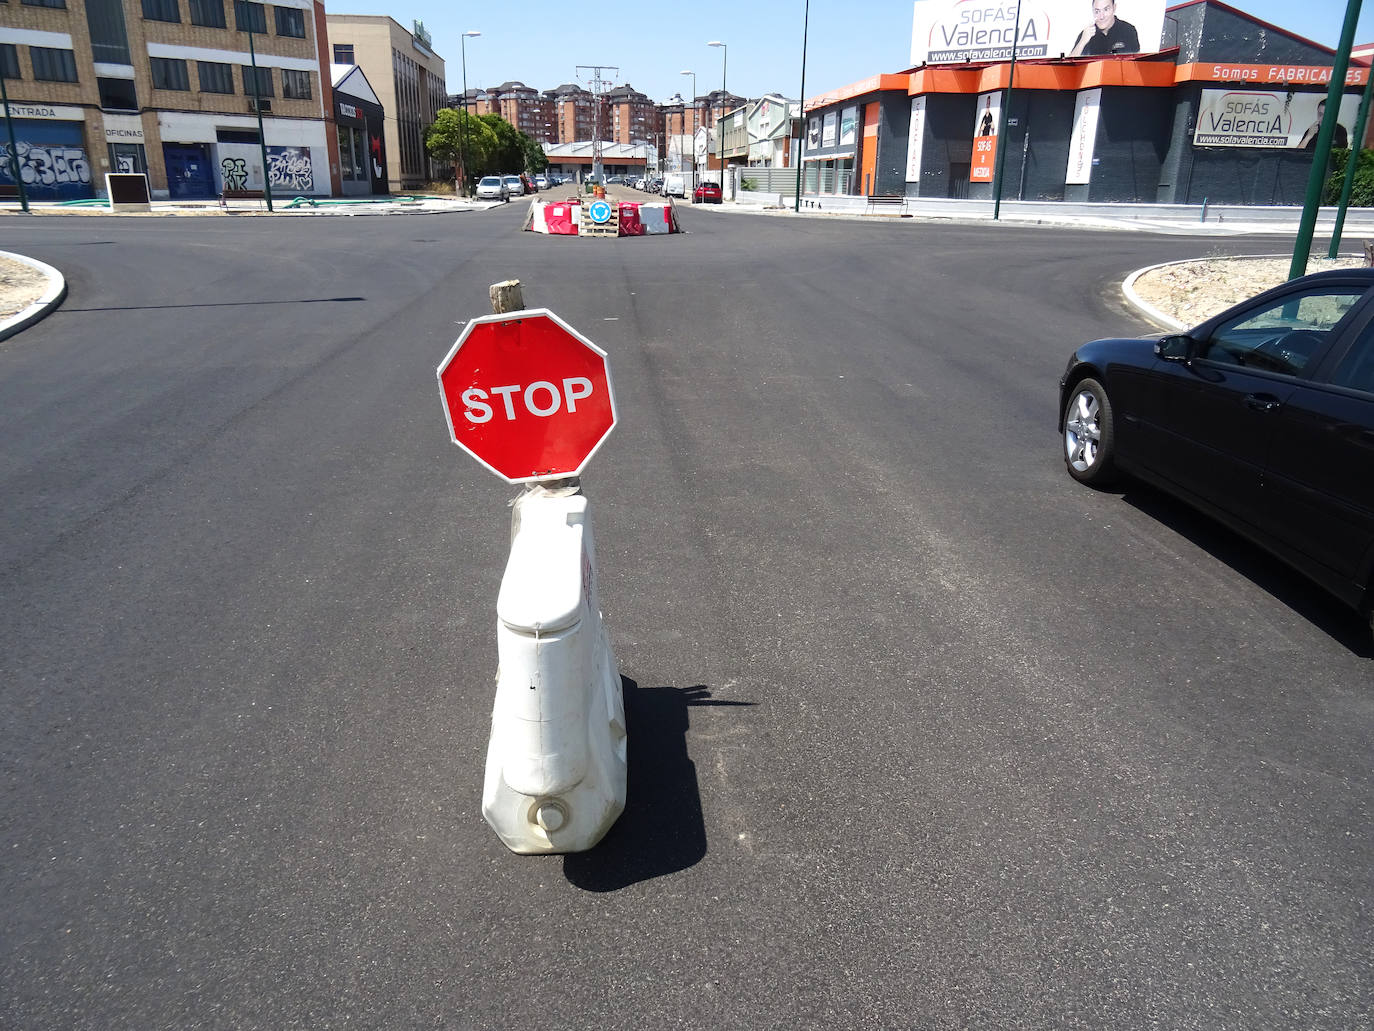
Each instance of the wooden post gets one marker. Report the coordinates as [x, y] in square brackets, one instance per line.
[506, 297]
[1369, 253]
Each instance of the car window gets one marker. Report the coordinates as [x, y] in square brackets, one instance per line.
[1356, 369]
[1282, 337]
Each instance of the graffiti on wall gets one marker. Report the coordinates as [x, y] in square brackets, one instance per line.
[291, 168]
[235, 173]
[53, 166]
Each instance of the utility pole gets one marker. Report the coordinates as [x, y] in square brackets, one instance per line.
[257, 106]
[597, 83]
[1321, 156]
[14, 147]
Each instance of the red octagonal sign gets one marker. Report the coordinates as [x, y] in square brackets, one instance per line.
[527, 395]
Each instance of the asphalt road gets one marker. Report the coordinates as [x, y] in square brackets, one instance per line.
[923, 734]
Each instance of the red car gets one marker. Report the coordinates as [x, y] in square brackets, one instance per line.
[707, 193]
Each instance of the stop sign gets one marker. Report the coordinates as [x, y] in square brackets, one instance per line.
[527, 395]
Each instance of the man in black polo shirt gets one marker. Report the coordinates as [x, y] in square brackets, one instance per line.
[1108, 34]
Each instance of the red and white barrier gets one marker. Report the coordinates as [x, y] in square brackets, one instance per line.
[657, 219]
[561, 218]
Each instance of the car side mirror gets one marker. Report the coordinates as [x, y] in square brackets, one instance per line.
[1177, 348]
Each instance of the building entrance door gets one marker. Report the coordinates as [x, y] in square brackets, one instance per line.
[190, 174]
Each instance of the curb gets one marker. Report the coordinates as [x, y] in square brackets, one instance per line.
[1128, 289]
[52, 297]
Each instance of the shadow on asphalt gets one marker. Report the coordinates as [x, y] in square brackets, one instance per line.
[1342, 624]
[661, 830]
[219, 304]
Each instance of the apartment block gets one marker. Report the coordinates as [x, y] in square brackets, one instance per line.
[408, 79]
[170, 88]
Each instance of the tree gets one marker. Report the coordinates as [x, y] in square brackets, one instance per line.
[1362, 193]
[492, 144]
[535, 158]
[454, 133]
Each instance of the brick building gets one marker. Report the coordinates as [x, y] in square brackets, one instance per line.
[166, 87]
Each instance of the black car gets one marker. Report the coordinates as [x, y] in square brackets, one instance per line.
[1262, 416]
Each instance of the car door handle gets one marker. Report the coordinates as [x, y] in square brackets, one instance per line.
[1262, 402]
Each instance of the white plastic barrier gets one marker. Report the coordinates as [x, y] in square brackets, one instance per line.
[536, 217]
[556, 762]
[657, 218]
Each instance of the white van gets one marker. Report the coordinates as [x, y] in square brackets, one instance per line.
[673, 186]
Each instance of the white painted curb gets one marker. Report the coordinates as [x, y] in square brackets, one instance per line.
[1128, 286]
[556, 760]
[52, 297]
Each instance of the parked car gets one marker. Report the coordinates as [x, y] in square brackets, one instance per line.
[1262, 417]
[514, 186]
[707, 193]
[543, 182]
[615, 180]
[655, 186]
[490, 187]
[528, 183]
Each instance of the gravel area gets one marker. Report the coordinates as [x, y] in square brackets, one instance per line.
[20, 286]
[1196, 290]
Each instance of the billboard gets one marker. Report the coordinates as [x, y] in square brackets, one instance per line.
[954, 31]
[987, 117]
[915, 142]
[1269, 118]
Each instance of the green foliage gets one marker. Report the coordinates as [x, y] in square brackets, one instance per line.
[748, 184]
[1362, 192]
[493, 145]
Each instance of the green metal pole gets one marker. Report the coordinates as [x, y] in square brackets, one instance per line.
[14, 147]
[1302, 246]
[1002, 128]
[801, 106]
[257, 103]
[1351, 164]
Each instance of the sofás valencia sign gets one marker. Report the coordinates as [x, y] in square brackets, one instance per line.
[954, 31]
[1264, 118]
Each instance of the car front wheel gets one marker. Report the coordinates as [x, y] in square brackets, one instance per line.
[1089, 434]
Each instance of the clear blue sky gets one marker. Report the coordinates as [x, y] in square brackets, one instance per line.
[542, 43]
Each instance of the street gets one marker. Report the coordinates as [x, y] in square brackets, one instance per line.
[922, 733]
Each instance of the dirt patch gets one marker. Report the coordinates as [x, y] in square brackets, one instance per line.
[1196, 290]
[20, 286]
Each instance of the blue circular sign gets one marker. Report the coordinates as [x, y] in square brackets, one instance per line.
[599, 211]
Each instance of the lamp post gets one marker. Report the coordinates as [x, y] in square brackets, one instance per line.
[801, 105]
[694, 125]
[14, 147]
[463, 148]
[257, 106]
[720, 122]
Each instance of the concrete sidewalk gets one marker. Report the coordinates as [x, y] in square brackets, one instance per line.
[402, 204]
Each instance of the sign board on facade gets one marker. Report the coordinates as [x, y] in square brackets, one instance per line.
[123, 128]
[48, 112]
[986, 118]
[1269, 74]
[1084, 139]
[849, 120]
[828, 125]
[1268, 118]
[915, 139]
[954, 31]
[348, 110]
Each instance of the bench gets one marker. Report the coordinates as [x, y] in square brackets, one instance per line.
[876, 202]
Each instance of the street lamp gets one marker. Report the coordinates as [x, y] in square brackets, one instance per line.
[463, 156]
[694, 124]
[720, 122]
